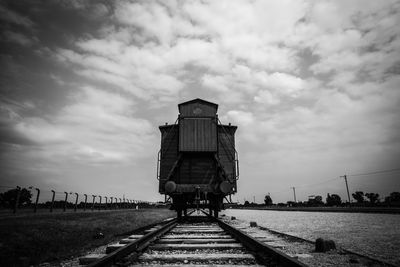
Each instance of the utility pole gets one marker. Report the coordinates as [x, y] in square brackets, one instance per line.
[347, 186]
[294, 194]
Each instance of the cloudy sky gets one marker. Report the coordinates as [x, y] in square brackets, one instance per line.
[313, 86]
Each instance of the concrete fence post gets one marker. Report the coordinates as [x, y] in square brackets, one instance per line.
[52, 200]
[84, 206]
[65, 201]
[17, 199]
[37, 198]
[76, 201]
[94, 199]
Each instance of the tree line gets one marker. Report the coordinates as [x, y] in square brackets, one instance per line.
[334, 200]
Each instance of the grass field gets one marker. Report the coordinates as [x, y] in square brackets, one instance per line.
[36, 238]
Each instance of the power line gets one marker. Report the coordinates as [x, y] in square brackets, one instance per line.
[318, 183]
[375, 172]
[306, 185]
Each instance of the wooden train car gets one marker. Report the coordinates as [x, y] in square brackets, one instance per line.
[197, 163]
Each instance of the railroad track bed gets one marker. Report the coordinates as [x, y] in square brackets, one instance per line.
[197, 241]
[303, 250]
[203, 241]
[196, 244]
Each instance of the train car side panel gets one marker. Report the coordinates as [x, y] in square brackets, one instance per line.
[169, 152]
[226, 151]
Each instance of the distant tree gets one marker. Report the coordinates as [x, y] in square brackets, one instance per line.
[333, 200]
[291, 203]
[358, 196]
[268, 200]
[9, 198]
[372, 197]
[246, 203]
[316, 201]
[393, 199]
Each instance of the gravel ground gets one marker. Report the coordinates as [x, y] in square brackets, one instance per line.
[302, 250]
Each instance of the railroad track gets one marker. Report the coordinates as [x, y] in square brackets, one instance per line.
[194, 241]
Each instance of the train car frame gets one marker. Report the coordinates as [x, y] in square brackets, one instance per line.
[197, 163]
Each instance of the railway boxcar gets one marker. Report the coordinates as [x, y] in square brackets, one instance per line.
[197, 163]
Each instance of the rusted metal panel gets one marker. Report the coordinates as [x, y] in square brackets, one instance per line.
[197, 135]
[198, 108]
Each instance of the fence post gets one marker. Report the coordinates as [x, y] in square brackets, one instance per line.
[37, 199]
[84, 207]
[94, 198]
[52, 200]
[76, 201]
[17, 199]
[65, 201]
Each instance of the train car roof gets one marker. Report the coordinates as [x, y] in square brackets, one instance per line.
[198, 100]
[167, 126]
[176, 125]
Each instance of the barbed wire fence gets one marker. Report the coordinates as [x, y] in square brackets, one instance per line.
[52, 200]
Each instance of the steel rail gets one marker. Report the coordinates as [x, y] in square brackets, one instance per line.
[134, 247]
[264, 253]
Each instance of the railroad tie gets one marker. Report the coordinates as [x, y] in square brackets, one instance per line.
[87, 259]
[195, 257]
[206, 231]
[196, 241]
[197, 246]
[221, 236]
[113, 247]
[197, 265]
[135, 236]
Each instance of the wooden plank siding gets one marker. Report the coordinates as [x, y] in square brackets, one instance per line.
[198, 108]
[226, 149]
[197, 135]
[169, 152]
[197, 169]
[196, 140]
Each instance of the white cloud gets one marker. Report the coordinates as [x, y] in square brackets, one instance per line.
[284, 83]
[266, 97]
[97, 127]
